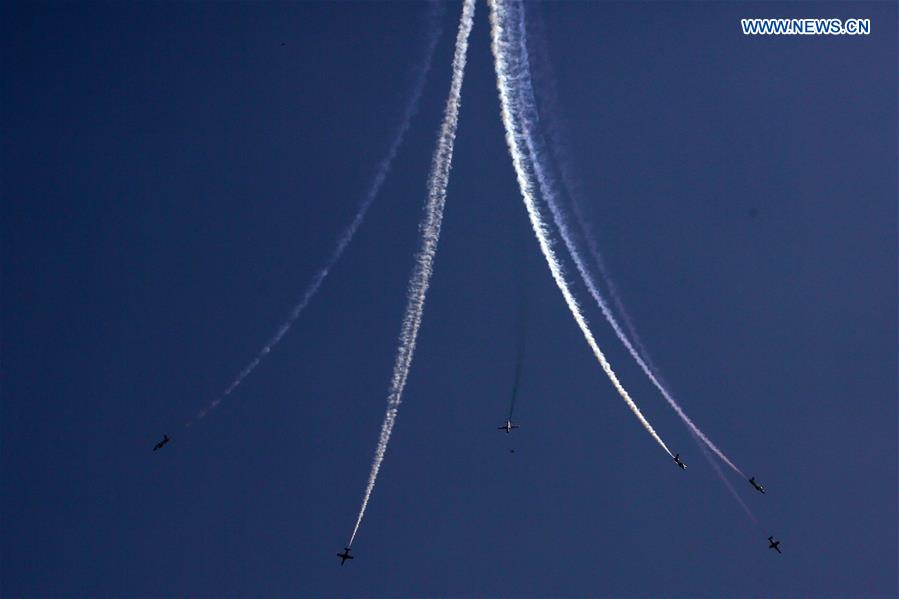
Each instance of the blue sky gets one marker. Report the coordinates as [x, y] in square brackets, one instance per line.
[174, 174]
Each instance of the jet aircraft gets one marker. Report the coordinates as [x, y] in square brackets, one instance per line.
[345, 555]
[508, 426]
[772, 544]
[165, 439]
[679, 463]
[756, 485]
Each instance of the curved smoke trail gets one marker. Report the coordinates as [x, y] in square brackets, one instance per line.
[526, 91]
[509, 70]
[424, 259]
[383, 169]
[557, 131]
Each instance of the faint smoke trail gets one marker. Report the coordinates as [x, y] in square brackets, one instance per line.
[521, 336]
[526, 91]
[509, 70]
[711, 460]
[424, 259]
[383, 169]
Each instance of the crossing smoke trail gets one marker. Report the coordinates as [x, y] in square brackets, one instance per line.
[529, 107]
[509, 70]
[424, 259]
[383, 169]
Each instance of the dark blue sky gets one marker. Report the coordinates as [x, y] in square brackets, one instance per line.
[174, 174]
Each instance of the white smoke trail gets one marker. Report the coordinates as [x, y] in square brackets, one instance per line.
[424, 259]
[381, 172]
[526, 91]
[508, 72]
[557, 132]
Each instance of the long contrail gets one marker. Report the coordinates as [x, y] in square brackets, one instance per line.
[381, 172]
[547, 188]
[424, 259]
[556, 129]
[508, 71]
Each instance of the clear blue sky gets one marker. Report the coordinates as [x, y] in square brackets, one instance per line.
[173, 174]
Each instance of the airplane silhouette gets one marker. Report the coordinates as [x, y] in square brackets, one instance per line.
[508, 426]
[756, 485]
[772, 544]
[678, 462]
[345, 555]
[165, 439]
